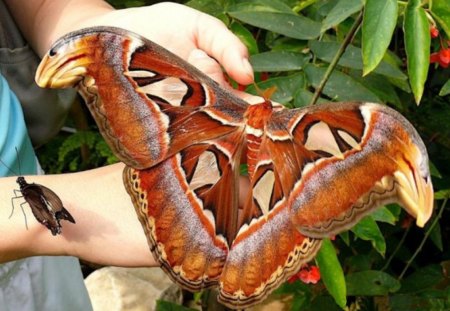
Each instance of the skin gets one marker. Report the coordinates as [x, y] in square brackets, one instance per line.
[178, 28]
[107, 230]
[97, 236]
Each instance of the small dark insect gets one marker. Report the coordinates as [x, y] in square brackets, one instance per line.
[45, 204]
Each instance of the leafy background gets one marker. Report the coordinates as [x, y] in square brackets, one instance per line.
[340, 50]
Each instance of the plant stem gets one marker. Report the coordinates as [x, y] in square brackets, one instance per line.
[427, 234]
[402, 240]
[348, 39]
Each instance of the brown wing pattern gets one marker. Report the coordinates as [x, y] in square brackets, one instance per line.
[131, 86]
[313, 172]
[188, 207]
[355, 157]
[264, 254]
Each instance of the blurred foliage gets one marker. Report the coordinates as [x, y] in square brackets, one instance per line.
[384, 262]
[79, 146]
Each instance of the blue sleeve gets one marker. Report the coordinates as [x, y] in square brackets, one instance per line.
[13, 134]
[36, 283]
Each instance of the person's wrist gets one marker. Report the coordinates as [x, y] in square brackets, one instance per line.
[71, 22]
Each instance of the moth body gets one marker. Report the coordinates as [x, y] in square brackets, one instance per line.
[257, 116]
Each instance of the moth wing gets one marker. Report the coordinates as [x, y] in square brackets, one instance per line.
[188, 208]
[56, 205]
[148, 103]
[336, 163]
[35, 195]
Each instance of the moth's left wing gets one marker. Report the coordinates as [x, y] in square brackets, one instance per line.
[188, 207]
[148, 103]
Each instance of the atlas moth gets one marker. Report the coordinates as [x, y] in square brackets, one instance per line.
[314, 172]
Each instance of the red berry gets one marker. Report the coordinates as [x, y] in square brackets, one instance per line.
[434, 32]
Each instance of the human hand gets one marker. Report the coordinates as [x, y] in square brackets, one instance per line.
[201, 39]
[194, 36]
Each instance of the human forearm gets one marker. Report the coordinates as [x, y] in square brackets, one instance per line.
[107, 230]
[43, 21]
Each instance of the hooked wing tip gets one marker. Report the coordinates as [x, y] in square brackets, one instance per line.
[416, 195]
[61, 70]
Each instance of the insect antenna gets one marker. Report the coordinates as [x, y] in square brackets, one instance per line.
[16, 191]
[18, 160]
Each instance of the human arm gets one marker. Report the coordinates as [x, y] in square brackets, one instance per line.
[176, 27]
[107, 230]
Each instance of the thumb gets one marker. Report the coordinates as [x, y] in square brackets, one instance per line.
[210, 67]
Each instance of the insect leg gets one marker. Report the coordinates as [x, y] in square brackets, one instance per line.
[24, 215]
[12, 201]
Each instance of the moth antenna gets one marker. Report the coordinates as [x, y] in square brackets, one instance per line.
[257, 88]
[267, 93]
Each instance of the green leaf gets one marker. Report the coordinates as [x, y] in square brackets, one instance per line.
[294, 288]
[368, 230]
[352, 58]
[303, 97]
[340, 12]
[440, 9]
[380, 18]
[262, 6]
[442, 194]
[345, 236]
[278, 61]
[340, 87]
[287, 87]
[277, 43]
[378, 85]
[417, 44]
[422, 279]
[383, 214]
[436, 236]
[395, 209]
[277, 19]
[434, 171]
[211, 7]
[401, 84]
[359, 262]
[445, 89]
[414, 302]
[331, 272]
[245, 36]
[371, 283]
